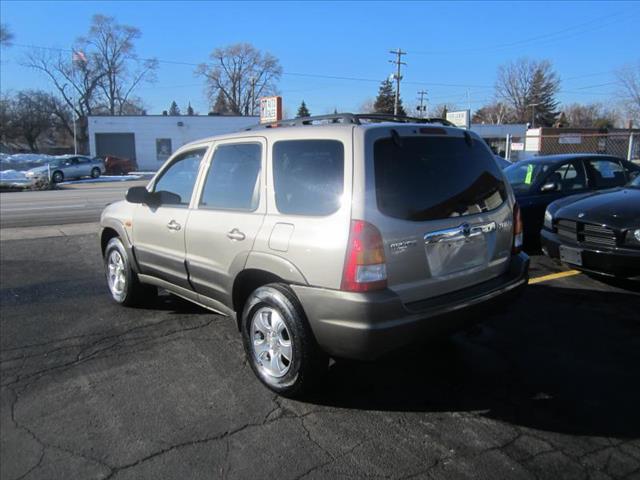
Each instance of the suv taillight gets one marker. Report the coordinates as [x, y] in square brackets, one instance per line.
[364, 267]
[517, 229]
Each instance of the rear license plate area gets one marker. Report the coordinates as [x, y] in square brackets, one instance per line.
[455, 256]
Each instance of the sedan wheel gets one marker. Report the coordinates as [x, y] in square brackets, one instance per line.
[95, 173]
[57, 177]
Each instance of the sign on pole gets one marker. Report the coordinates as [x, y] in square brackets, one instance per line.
[460, 118]
[270, 109]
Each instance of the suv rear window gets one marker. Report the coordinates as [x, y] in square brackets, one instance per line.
[420, 178]
[308, 176]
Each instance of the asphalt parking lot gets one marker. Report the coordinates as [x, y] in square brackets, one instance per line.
[548, 388]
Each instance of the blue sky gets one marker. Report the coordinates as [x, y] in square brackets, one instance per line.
[454, 48]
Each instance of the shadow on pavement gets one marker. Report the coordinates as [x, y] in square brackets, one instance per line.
[571, 368]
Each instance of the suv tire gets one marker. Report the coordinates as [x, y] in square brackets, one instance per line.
[279, 343]
[124, 286]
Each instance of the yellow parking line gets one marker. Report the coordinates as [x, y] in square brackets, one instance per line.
[553, 276]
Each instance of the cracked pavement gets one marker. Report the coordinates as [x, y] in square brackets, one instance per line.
[546, 389]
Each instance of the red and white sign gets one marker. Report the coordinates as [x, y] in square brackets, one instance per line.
[270, 109]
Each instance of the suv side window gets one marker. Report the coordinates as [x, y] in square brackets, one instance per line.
[606, 172]
[308, 176]
[233, 179]
[181, 175]
[569, 176]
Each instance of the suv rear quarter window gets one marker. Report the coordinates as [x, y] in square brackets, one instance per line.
[428, 178]
[308, 176]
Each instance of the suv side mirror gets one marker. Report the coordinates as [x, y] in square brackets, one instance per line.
[137, 195]
[550, 187]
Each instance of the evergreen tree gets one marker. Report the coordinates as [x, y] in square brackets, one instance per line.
[303, 111]
[190, 110]
[221, 106]
[386, 98]
[544, 86]
[174, 110]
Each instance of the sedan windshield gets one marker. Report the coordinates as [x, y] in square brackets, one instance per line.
[523, 175]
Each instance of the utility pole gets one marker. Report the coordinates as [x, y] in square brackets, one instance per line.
[533, 114]
[253, 95]
[421, 108]
[398, 61]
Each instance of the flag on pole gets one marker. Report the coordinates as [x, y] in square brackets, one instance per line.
[79, 56]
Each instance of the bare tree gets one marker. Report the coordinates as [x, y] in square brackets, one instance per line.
[111, 46]
[5, 36]
[495, 113]
[593, 115]
[101, 74]
[76, 81]
[440, 110]
[28, 117]
[529, 87]
[243, 74]
[629, 79]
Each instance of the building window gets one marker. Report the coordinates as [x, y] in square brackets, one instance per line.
[163, 149]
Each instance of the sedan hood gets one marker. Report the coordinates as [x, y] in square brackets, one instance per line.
[38, 170]
[617, 208]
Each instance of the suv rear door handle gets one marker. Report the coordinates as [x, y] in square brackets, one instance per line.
[236, 234]
[173, 225]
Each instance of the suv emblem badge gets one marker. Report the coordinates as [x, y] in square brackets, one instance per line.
[399, 247]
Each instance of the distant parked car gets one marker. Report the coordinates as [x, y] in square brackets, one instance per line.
[598, 231]
[539, 181]
[119, 166]
[68, 167]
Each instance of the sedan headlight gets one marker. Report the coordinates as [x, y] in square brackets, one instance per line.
[633, 237]
[548, 220]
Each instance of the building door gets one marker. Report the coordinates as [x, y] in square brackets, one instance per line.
[121, 145]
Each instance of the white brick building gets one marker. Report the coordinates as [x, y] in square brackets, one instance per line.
[150, 139]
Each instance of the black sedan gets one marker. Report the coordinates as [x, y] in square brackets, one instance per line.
[539, 181]
[598, 232]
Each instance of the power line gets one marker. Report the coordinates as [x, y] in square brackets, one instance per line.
[537, 38]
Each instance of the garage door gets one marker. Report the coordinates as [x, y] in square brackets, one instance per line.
[121, 145]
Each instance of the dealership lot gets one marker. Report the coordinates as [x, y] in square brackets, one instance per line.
[548, 388]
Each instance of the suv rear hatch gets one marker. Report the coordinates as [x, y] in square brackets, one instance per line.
[441, 205]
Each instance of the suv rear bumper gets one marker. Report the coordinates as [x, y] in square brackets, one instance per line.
[367, 325]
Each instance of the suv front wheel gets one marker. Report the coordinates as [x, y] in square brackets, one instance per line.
[278, 341]
[123, 282]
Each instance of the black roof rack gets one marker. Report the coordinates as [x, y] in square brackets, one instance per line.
[349, 118]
